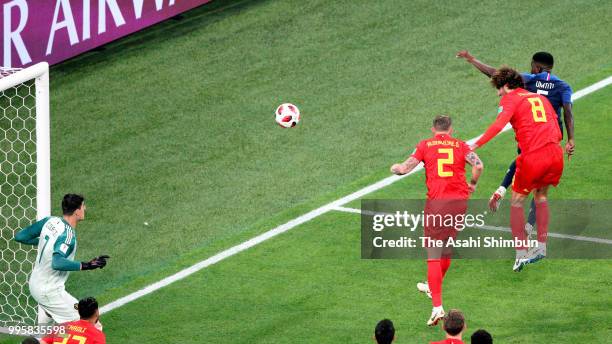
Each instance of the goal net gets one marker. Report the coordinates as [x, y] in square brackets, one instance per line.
[24, 183]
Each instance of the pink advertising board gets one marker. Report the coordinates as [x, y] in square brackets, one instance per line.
[56, 30]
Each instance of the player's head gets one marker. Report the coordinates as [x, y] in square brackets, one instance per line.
[542, 61]
[30, 340]
[442, 124]
[74, 204]
[454, 322]
[506, 79]
[88, 309]
[481, 337]
[384, 332]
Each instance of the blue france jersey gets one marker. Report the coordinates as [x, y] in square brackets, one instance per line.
[556, 90]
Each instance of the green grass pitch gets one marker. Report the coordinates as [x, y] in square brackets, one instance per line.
[174, 126]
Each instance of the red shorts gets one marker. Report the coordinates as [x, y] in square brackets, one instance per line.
[444, 217]
[537, 169]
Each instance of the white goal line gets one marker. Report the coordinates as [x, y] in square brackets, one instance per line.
[296, 222]
[493, 228]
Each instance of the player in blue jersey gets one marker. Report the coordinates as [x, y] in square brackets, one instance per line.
[540, 80]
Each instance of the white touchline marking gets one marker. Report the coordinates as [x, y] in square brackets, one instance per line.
[296, 222]
[493, 228]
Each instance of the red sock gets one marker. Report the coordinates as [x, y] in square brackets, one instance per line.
[517, 224]
[444, 265]
[434, 279]
[542, 215]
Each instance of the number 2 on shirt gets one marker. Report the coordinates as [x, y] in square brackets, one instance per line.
[446, 161]
[537, 109]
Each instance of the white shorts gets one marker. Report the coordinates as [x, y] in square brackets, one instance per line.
[55, 306]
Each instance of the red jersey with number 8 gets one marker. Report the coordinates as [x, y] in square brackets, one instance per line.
[444, 159]
[538, 135]
[533, 118]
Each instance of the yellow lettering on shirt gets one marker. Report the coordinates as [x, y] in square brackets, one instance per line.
[451, 143]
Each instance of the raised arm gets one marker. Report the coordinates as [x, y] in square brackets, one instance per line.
[477, 167]
[484, 68]
[405, 167]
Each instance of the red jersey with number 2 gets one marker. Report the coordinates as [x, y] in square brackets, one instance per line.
[444, 159]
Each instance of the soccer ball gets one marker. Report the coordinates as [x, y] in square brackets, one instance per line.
[287, 115]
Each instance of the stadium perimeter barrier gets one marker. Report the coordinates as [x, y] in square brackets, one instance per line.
[54, 31]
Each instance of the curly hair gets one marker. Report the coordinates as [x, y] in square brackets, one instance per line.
[507, 76]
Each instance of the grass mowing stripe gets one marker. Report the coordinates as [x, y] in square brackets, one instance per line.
[503, 229]
[296, 222]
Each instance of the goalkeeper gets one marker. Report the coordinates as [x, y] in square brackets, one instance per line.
[56, 240]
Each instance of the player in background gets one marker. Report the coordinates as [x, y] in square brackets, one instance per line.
[559, 93]
[540, 163]
[384, 332]
[57, 245]
[444, 158]
[84, 330]
[454, 326]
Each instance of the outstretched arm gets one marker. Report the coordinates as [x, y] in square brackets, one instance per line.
[405, 167]
[568, 118]
[477, 167]
[30, 234]
[484, 68]
[61, 263]
[507, 109]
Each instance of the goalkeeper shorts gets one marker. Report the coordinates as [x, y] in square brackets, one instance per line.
[56, 306]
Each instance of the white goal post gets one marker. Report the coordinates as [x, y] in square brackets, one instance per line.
[25, 182]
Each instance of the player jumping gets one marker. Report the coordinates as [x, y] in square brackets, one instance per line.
[56, 240]
[540, 163]
[559, 93]
[444, 158]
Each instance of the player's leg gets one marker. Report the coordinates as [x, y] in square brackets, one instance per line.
[456, 208]
[43, 317]
[553, 167]
[60, 306]
[445, 263]
[423, 287]
[434, 282]
[542, 218]
[531, 218]
[517, 225]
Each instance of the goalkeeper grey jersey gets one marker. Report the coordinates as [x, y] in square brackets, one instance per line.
[56, 237]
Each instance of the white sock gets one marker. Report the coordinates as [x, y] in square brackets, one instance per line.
[521, 253]
[542, 247]
[437, 309]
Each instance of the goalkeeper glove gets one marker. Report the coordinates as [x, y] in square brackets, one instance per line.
[96, 263]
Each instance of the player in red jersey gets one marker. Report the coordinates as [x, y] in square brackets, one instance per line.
[454, 326]
[444, 158]
[540, 163]
[83, 331]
